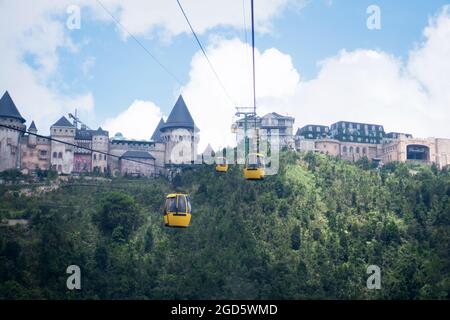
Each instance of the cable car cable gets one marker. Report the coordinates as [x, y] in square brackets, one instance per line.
[80, 147]
[204, 53]
[253, 59]
[170, 73]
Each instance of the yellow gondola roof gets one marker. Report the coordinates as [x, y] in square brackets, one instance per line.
[173, 195]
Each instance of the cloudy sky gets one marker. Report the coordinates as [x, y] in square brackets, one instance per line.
[316, 60]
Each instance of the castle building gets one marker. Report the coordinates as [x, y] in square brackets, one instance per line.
[173, 142]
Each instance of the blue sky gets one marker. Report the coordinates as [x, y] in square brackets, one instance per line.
[100, 71]
[123, 71]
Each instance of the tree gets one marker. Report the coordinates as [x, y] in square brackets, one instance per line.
[119, 215]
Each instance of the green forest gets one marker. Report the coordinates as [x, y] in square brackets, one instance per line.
[308, 232]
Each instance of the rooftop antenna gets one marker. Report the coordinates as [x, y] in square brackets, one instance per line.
[77, 120]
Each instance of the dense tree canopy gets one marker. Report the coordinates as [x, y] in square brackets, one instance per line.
[310, 231]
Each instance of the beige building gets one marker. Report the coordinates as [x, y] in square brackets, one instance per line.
[424, 150]
[35, 151]
[354, 141]
[62, 158]
[270, 125]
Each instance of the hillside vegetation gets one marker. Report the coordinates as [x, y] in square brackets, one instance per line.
[310, 231]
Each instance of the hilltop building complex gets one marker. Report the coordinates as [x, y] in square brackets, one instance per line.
[174, 142]
[28, 152]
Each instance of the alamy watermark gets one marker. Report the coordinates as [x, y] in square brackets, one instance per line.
[374, 280]
[182, 145]
[73, 21]
[74, 280]
[374, 19]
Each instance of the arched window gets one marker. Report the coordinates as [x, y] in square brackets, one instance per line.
[95, 157]
[55, 155]
[357, 149]
[351, 149]
[344, 149]
[364, 150]
[60, 155]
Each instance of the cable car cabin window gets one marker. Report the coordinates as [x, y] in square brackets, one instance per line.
[171, 204]
[181, 204]
[189, 205]
[254, 161]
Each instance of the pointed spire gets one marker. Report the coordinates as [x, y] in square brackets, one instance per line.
[156, 136]
[8, 108]
[179, 117]
[32, 127]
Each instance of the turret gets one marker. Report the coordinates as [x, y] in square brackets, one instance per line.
[10, 138]
[32, 138]
[100, 142]
[62, 154]
[179, 135]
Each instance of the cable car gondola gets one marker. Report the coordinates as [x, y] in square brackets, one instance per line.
[177, 211]
[221, 164]
[254, 167]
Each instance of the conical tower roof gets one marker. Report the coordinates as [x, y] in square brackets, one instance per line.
[8, 108]
[32, 126]
[179, 117]
[156, 136]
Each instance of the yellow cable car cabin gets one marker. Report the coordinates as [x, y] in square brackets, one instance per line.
[221, 164]
[254, 167]
[177, 211]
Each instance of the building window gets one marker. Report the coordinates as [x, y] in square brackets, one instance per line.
[344, 149]
[95, 157]
[364, 150]
[55, 155]
[351, 149]
[60, 155]
[357, 149]
[59, 168]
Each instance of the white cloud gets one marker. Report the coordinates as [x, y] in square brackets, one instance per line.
[37, 30]
[31, 30]
[87, 66]
[363, 85]
[211, 109]
[145, 17]
[137, 122]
